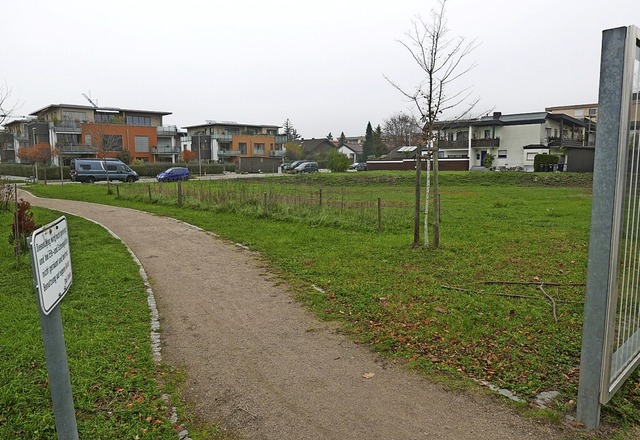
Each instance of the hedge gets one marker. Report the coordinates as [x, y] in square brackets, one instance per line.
[540, 160]
[145, 170]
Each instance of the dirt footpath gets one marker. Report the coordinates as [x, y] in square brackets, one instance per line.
[262, 366]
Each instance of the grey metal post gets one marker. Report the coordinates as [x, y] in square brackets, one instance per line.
[605, 175]
[57, 370]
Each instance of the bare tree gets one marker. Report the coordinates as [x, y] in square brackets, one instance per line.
[106, 142]
[441, 59]
[6, 109]
[400, 129]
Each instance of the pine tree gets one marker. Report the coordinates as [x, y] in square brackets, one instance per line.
[378, 144]
[343, 140]
[368, 148]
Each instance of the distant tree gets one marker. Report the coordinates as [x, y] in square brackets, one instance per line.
[378, 142]
[368, 147]
[108, 144]
[330, 136]
[290, 132]
[293, 150]
[6, 109]
[188, 156]
[401, 130]
[40, 153]
[343, 140]
[337, 162]
[125, 156]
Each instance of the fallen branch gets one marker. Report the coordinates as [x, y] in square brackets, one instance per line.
[555, 315]
[509, 295]
[537, 283]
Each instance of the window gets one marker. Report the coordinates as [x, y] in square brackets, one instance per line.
[502, 154]
[142, 144]
[487, 134]
[107, 118]
[243, 147]
[579, 113]
[258, 148]
[144, 121]
[73, 116]
[112, 142]
[593, 112]
[87, 139]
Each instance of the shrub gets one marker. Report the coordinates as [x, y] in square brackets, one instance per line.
[23, 224]
[541, 160]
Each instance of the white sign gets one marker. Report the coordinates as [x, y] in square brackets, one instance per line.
[51, 258]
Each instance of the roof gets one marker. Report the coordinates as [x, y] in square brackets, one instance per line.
[316, 145]
[498, 119]
[229, 124]
[97, 109]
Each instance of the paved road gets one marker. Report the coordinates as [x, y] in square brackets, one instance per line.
[261, 365]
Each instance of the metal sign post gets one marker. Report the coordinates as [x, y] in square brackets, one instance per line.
[52, 276]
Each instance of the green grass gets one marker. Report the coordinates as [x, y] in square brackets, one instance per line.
[106, 326]
[434, 308]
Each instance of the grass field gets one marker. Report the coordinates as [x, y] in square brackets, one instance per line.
[500, 301]
[113, 375]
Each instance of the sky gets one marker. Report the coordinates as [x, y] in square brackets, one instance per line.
[320, 64]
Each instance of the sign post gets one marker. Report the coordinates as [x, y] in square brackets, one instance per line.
[52, 277]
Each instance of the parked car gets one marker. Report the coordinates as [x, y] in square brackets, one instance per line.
[307, 167]
[173, 174]
[94, 170]
[358, 166]
[294, 165]
[285, 166]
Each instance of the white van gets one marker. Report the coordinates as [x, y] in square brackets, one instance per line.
[94, 170]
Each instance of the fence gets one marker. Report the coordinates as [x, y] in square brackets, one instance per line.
[315, 206]
[611, 335]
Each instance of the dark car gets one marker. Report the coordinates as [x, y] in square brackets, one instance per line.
[358, 166]
[294, 165]
[307, 167]
[173, 174]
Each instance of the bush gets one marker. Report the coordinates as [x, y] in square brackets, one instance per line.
[337, 162]
[541, 161]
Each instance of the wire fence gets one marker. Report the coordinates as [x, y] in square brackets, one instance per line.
[335, 207]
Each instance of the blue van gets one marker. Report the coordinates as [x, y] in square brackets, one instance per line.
[95, 170]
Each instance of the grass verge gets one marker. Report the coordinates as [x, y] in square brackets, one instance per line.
[501, 301]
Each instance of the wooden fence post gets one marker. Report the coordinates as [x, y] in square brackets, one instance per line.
[150, 193]
[179, 194]
[379, 213]
[264, 198]
[117, 191]
[320, 203]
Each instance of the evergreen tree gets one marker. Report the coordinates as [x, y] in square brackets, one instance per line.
[330, 136]
[378, 144]
[290, 132]
[368, 148]
[343, 140]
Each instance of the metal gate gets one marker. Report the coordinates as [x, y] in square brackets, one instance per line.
[611, 335]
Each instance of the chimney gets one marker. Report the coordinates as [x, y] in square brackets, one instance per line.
[496, 115]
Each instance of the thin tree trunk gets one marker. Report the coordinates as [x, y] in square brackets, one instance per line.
[416, 216]
[436, 200]
[426, 205]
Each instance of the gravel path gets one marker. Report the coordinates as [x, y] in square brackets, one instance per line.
[262, 366]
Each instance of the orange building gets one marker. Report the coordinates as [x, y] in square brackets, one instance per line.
[91, 131]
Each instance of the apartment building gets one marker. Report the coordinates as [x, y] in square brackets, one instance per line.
[229, 141]
[513, 140]
[91, 131]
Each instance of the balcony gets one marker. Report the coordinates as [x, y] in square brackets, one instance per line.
[281, 139]
[559, 142]
[485, 143]
[222, 137]
[160, 151]
[278, 153]
[170, 130]
[68, 127]
[228, 153]
[458, 144]
[68, 150]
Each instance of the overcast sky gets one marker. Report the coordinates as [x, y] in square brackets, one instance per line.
[321, 64]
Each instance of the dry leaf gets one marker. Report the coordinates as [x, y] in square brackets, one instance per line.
[368, 375]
